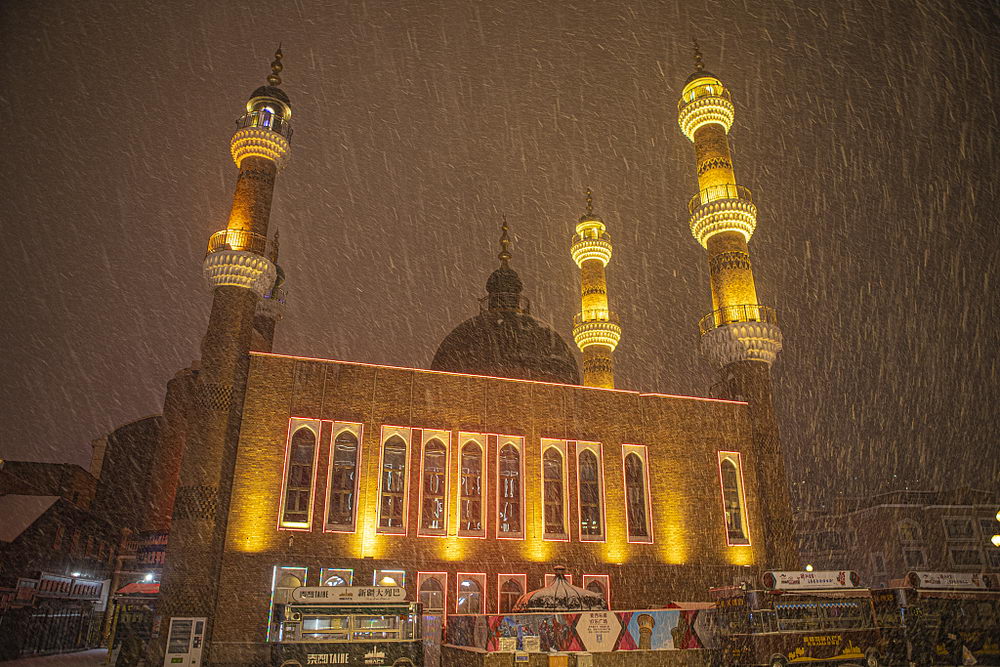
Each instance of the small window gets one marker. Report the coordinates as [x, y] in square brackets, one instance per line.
[434, 487]
[283, 580]
[554, 491]
[965, 557]
[511, 588]
[636, 494]
[343, 479]
[909, 531]
[300, 464]
[734, 509]
[470, 593]
[600, 584]
[392, 484]
[336, 577]
[389, 578]
[589, 481]
[431, 587]
[993, 558]
[914, 559]
[509, 491]
[470, 510]
[959, 528]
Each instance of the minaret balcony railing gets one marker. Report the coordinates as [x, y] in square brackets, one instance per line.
[588, 332]
[704, 111]
[716, 192]
[585, 248]
[595, 315]
[734, 214]
[702, 91]
[746, 312]
[237, 239]
[266, 120]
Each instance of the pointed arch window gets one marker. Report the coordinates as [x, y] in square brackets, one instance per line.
[471, 588]
[434, 484]
[554, 490]
[431, 588]
[300, 465]
[733, 505]
[341, 510]
[590, 484]
[511, 589]
[510, 499]
[470, 503]
[392, 482]
[637, 494]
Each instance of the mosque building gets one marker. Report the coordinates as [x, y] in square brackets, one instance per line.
[465, 483]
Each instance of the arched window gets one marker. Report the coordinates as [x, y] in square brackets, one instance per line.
[334, 580]
[635, 496]
[510, 591]
[509, 505]
[298, 485]
[590, 496]
[471, 514]
[595, 586]
[433, 490]
[392, 507]
[732, 499]
[470, 597]
[909, 531]
[431, 594]
[553, 492]
[343, 480]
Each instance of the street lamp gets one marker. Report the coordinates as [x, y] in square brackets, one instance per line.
[809, 568]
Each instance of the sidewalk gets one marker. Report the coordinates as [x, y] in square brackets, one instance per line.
[81, 659]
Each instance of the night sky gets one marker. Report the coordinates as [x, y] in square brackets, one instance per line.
[867, 132]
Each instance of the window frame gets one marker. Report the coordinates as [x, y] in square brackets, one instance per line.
[517, 442]
[405, 433]
[605, 578]
[968, 519]
[358, 431]
[561, 447]
[641, 451]
[274, 587]
[923, 553]
[503, 578]
[296, 424]
[326, 572]
[478, 577]
[378, 574]
[968, 546]
[442, 579]
[597, 449]
[444, 437]
[736, 459]
[480, 440]
[917, 530]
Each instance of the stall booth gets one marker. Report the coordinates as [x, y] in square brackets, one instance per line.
[799, 617]
[941, 618]
[348, 625]
[132, 620]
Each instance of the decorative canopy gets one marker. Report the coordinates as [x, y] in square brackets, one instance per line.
[560, 595]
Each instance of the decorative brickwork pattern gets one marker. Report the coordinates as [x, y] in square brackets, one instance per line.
[731, 260]
[196, 502]
[714, 163]
[213, 396]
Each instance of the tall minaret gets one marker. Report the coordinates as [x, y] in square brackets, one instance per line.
[595, 329]
[740, 337]
[240, 273]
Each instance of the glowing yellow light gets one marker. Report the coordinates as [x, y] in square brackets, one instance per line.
[596, 332]
[809, 568]
[585, 249]
[995, 540]
[261, 143]
[387, 581]
[723, 215]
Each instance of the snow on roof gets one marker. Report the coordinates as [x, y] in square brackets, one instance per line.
[21, 512]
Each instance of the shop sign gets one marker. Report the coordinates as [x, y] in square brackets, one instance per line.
[348, 594]
[598, 630]
[791, 580]
[969, 580]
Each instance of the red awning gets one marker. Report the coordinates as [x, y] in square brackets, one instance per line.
[139, 589]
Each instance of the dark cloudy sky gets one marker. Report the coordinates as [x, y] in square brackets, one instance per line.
[866, 129]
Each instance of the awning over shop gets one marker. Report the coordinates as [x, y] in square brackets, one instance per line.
[139, 589]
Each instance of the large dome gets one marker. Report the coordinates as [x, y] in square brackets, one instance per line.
[510, 344]
[504, 340]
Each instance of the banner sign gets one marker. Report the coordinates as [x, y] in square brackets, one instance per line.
[792, 580]
[348, 594]
[967, 580]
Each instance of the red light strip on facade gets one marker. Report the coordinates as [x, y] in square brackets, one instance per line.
[490, 377]
[648, 504]
[317, 429]
[598, 450]
[442, 578]
[406, 478]
[521, 578]
[338, 428]
[743, 500]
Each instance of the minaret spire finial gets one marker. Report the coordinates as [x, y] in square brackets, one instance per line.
[590, 202]
[504, 243]
[276, 67]
[698, 65]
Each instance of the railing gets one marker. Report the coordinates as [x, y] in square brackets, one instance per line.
[704, 90]
[747, 312]
[588, 316]
[716, 192]
[266, 120]
[237, 239]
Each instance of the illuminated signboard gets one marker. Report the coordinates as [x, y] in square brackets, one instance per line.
[791, 580]
[348, 594]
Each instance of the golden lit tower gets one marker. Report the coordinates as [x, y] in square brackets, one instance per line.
[595, 329]
[740, 337]
[241, 272]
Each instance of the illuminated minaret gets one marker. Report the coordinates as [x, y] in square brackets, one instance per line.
[240, 272]
[740, 337]
[595, 329]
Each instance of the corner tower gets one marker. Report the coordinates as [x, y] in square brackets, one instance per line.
[240, 272]
[595, 328]
[740, 337]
